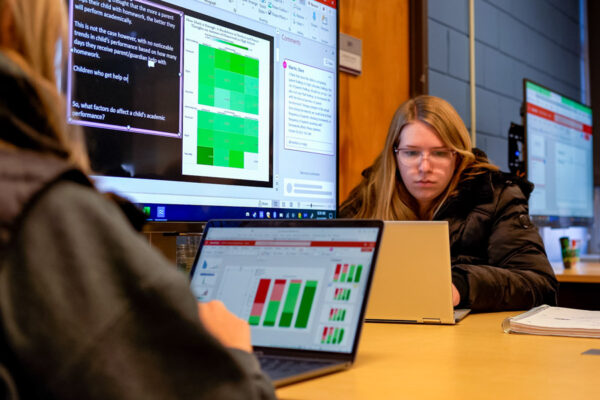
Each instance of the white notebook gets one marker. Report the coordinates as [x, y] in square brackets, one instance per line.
[555, 321]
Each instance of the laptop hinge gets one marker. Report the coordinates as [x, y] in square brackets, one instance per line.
[432, 321]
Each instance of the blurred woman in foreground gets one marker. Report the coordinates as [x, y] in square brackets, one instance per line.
[87, 309]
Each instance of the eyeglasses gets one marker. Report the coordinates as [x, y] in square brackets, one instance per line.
[413, 157]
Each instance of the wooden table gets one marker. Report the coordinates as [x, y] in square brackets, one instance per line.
[582, 272]
[472, 360]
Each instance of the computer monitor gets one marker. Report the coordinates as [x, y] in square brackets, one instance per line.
[200, 109]
[559, 157]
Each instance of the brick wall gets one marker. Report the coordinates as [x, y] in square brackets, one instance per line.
[514, 39]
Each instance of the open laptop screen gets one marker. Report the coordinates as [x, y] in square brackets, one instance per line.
[298, 287]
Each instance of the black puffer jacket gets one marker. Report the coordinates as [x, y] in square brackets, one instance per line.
[498, 257]
[495, 247]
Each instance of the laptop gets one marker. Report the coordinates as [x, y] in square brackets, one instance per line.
[301, 285]
[413, 278]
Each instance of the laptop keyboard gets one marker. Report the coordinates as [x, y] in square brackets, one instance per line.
[277, 367]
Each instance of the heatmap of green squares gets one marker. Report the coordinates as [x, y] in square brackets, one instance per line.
[224, 139]
[227, 80]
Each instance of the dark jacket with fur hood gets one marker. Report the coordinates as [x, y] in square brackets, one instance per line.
[498, 257]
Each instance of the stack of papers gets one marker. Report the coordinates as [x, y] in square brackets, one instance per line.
[555, 321]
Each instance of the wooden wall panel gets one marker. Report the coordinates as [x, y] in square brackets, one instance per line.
[368, 101]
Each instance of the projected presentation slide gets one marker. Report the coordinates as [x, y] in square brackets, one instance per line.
[293, 293]
[227, 96]
[559, 154]
[126, 60]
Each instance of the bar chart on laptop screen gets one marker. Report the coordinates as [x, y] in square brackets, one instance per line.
[293, 294]
[296, 308]
[347, 273]
[332, 335]
[277, 298]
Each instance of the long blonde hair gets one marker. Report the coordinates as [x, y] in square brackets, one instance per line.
[37, 29]
[382, 193]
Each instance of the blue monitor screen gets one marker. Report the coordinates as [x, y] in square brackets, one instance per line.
[198, 109]
[559, 154]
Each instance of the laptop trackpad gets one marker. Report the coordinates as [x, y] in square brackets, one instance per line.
[280, 367]
[460, 313]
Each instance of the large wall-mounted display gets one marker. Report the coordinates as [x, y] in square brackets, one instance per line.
[559, 157]
[209, 109]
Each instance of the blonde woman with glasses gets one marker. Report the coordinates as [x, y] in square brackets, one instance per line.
[428, 170]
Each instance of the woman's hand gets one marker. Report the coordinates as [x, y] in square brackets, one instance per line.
[230, 330]
[455, 296]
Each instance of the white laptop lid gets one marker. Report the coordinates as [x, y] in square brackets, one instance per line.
[301, 285]
[413, 278]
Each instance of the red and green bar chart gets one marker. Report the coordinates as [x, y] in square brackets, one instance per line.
[341, 294]
[337, 314]
[332, 335]
[349, 273]
[274, 310]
